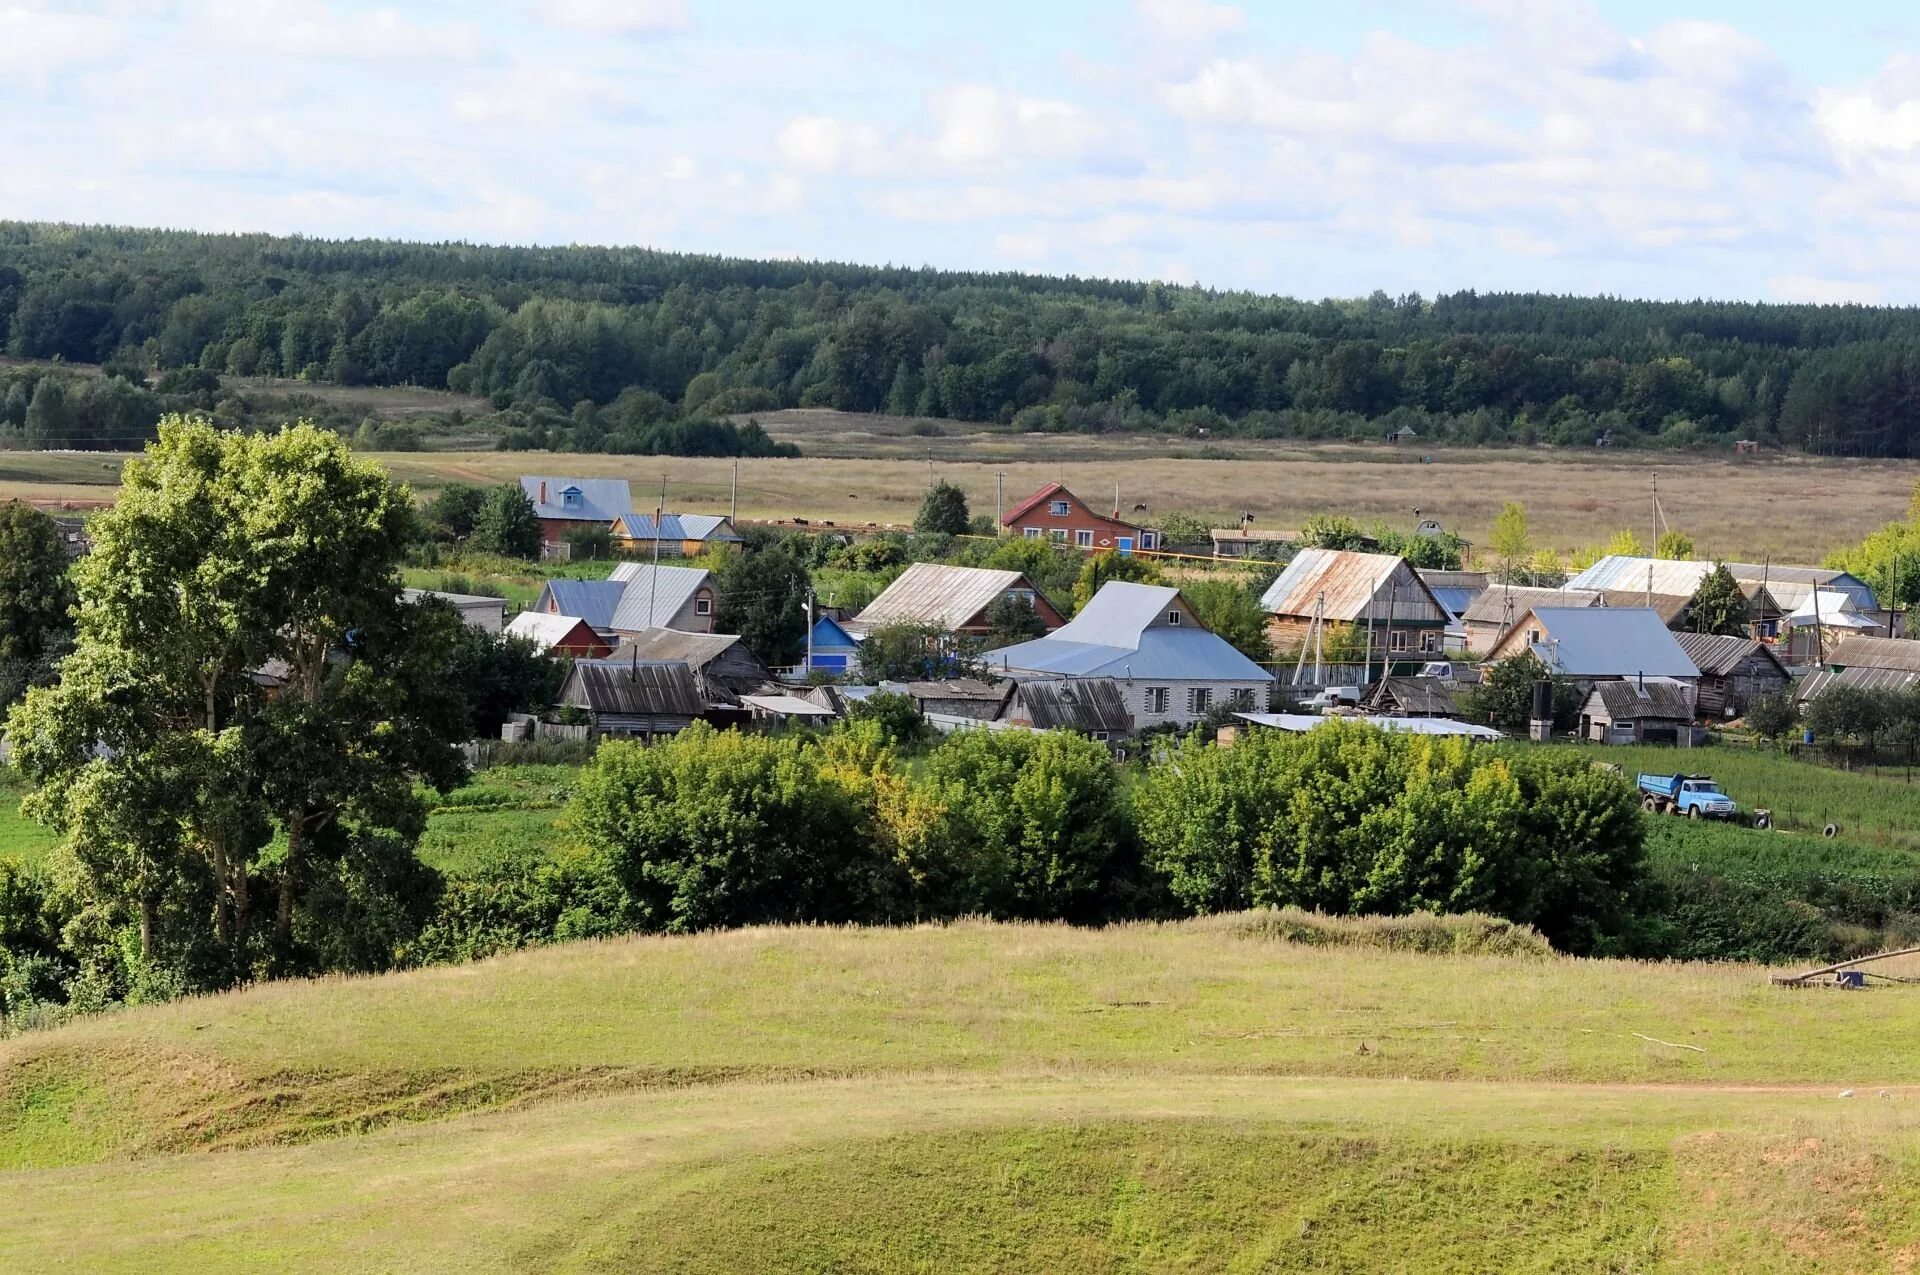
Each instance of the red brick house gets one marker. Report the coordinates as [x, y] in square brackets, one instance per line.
[1055, 513]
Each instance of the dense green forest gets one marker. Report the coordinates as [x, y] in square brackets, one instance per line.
[625, 349]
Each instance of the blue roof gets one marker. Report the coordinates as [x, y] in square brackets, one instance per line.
[592, 600]
[712, 527]
[829, 636]
[1609, 642]
[598, 499]
[1456, 601]
[1175, 655]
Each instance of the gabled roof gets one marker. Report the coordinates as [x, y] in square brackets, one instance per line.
[546, 631]
[592, 600]
[651, 596]
[1857, 676]
[1084, 704]
[1121, 633]
[1415, 696]
[1505, 604]
[1632, 700]
[601, 499]
[1349, 578]
[831, 634]
[1050, 492]
[1668, 606]
[1639, 575]
[1718, 655]
[1608, 642]
[1788, 586]
[943, 596]
[695, 650]
[665, 689]
[965, 688]
[459, 601]
[1862, 651]
[708, 527]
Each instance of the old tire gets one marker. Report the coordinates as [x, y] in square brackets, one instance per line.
[1693, 812]
[1831, 831]
[1649, 805]
[1762, 822]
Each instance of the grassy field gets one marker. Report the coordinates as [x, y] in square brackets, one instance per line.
[975, 1097]
[21, 840]
[1794, 508]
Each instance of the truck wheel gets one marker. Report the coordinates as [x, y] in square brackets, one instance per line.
[1831, 831]
[1693, 812]
[1649, 805]
[1762, 822]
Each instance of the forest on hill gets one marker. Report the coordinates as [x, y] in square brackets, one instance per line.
[632, 350]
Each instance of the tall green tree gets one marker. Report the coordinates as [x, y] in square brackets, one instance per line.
[455, 508]
[1674, 546]
[1106, 567]
[35, 594]
[1719, 606]
[250, 708]
[1511, 541]
[51, 420]
[763, 595]
[1232, 610]
[506, 523]
[943, 510]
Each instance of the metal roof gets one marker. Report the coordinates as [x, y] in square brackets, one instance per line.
[1641, 575]
[1719, 654]
[1857, 676]
[1609, 642]
[695, 650]
[1788, 585]
[713, 527]
[1655, 698]
[1351, 581]
[651, 596]
[592, 600]
[936, 594]
[543, 629]
[660, 689]
[786, 706]
[1088, 704]
[459, 601]
[953, 688]
[1491, 607]
[1163, 654]
[1862, 651]
[1792, 586]
[1122, 610]
[601, 499]
[1416, 696]
[1299, 722]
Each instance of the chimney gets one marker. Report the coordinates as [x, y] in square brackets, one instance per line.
[543, 491]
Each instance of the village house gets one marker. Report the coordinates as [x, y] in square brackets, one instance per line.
[1734, 671]
[623, 697]
[959, 697]
[560, 635]
[672, 535]
[573, 504]
[722, 665]
[1413, 697]
[1054, 513]
[1595, 644]
[1170, 667]
[638, 596]
[952, 599]
[1244, 542]
[831, 648]
[1653, 710]
[488, 614]
[1774, 591]
[1372, 602]
[1865, 663]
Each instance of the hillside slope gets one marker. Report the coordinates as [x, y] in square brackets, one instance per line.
[974, 1097]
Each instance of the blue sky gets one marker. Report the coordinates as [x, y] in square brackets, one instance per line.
[1760, 150]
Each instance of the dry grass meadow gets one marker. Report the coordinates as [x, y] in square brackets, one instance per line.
[975, 1097]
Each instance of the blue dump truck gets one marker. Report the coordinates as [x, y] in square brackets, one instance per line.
[1695, 796]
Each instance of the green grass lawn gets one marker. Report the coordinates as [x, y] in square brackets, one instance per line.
[975, 1097]
[21, 840]
[508, 814]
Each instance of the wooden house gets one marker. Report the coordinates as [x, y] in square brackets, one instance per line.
[677, 535]
[1638, 711]
[952, 599]
[1054, 513]
[634, 699]
[560, 635]
[1092, 706]
[1375, 599]
[1734, 671]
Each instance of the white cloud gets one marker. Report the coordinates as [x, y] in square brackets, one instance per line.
[40, 44]
[980, 124]
[620, 17]
[823, 144]
[1188, 19]
[291, 28]
[539, 95]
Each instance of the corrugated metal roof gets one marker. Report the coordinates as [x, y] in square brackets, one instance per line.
[786, 706]
[1668, 606]
[592, 600]
[713, 527]
[1121, 609]
[1609, 642]
[1172, 655]
[1719, 654]
[1629, 574]
[542, 629]
[1788, 585]
[1300, 722]
[1350, 580]
[1505, 604]
[1862, 651]
[651, 596]
[953, 688]
[1086, 704]
[936, 594]
[1655, 698]
[457, 600]
[1438, 579]
[661, 689]
[1859, 677]
[695, 650]
[601, 499]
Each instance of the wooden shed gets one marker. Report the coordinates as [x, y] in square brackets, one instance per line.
[1734, 671]
[1640, 711]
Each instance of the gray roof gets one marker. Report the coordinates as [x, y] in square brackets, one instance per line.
[651, 596]
[460, 601]
[1865, 651]
[1122, 633]
[936, 594]
[1349, 579]
[1719, 654]
[1788, 585]
[1415, 696]
[713, 527]
[1632, 700]
[695, 650]
[601, 499]
[659, 689]
[592, 600]
[1086, 704]
[953, 688]
[1859, 677]
[1492, 606]
[1609, 642]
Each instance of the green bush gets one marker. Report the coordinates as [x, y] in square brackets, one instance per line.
[1471, 934]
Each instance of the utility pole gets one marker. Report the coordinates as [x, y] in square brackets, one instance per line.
[653, 576]
[999, 499]
[1653, 484]
[809, 664]
[733, 502]
[929, 466]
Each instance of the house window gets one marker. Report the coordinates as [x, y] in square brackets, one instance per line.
[1429, 642]
[570, 498]
[1397, 640]
[1149, 540]
[1241, 697]
[1084, 539]
[1159, 699]
[703, 606]
[1059, 509]
[1024, 595]
[1058, 535]
[1199, 699]
[1098, 735]
[1032, 533]
[1533, 637]
[1173, 618]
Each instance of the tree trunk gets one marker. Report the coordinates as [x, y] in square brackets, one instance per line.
[222, 897]
[296, 837]
[146, 930]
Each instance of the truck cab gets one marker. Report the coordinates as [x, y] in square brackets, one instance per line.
[1695, 796]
